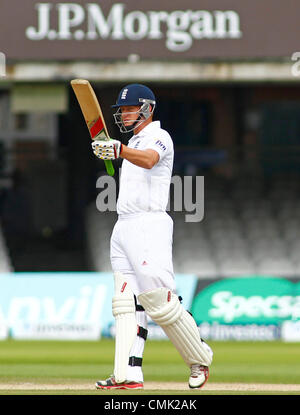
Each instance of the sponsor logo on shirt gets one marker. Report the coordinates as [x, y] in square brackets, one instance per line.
[161, 145]
[137, 144]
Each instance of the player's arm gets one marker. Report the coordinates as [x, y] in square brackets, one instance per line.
[112, 149]
[142, 158]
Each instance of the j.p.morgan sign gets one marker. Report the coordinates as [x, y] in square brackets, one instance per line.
[160, 29]
[178, 29]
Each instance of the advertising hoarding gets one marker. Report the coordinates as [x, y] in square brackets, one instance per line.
[77, 306]
[70, 306]
[55, 305]
[254, 308]
[56, 30]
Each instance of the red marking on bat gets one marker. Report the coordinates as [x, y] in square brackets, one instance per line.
[123, 287]
[96, 128]
[169, 296]
[144, 263]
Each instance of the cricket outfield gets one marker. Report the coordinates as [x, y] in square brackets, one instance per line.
[72, 367]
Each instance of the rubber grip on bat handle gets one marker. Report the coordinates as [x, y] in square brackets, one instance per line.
[109, 167]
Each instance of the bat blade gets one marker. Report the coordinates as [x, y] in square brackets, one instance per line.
[92, 114]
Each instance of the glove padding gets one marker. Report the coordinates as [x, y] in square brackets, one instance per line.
[107, 150]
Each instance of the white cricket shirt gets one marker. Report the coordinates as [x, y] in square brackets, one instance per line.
[147, 190]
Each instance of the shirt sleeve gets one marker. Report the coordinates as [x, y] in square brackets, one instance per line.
[160, 145]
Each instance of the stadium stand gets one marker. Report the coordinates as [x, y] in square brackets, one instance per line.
[98, 230]
[5, 262]
[250, 227]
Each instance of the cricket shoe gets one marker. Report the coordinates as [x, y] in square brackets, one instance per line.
[110, 383]
[199, 376]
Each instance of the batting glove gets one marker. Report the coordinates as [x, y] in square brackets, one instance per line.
[107, 150]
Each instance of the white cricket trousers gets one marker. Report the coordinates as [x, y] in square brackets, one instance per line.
[141, 248]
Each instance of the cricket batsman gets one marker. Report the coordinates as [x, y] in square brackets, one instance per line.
[141, 246]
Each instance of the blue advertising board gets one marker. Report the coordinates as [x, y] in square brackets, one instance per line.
[58, 305]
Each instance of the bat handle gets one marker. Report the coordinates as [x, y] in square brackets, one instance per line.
[109, 167]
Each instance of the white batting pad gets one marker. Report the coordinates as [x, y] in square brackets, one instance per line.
[123, 308]
[165, 309]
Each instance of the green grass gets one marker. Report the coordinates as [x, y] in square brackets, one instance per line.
[87, 361]
[267, 362]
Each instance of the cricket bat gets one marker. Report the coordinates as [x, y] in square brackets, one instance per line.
[92, 114]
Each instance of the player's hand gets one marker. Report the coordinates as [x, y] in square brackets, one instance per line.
[107, 150]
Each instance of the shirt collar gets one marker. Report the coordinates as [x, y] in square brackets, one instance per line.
[146, 130]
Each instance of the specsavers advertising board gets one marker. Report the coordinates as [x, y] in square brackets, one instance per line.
[256, 308]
